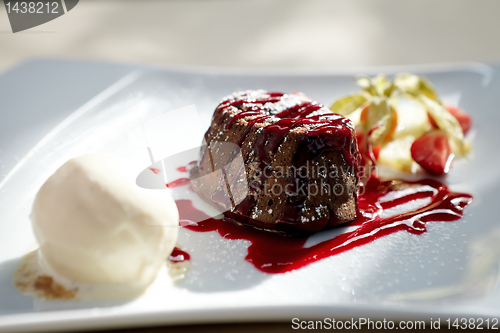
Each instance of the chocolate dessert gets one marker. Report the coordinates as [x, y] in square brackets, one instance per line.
[280, 162]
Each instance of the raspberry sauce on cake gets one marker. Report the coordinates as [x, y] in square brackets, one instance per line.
[300, 163]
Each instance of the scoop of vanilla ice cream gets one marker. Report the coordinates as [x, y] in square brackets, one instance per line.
[96, 226]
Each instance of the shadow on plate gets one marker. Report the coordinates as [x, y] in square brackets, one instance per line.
[217, 264]
[15, 302]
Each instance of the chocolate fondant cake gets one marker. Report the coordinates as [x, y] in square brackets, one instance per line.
[279, 162]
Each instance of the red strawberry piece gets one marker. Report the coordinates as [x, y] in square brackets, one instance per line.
[376, 151]
[433, 153]
[463, 118]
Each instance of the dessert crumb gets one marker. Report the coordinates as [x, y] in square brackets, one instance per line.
[30, 280]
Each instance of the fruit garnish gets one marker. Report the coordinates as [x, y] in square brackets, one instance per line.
[463, 118]
[376, 151]
[376, 113]
[432, 152]
[396, 154]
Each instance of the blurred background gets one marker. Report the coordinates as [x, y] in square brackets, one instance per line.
[263, 33]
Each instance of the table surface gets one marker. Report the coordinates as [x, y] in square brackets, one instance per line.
[263, 33]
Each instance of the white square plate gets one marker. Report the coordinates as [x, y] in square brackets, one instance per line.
[450, 271]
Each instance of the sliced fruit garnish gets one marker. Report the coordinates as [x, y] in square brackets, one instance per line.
[392, 126]
[460, 115]
[415, 85]
[412, 119]
[364, 114]
[349, 104]
[396, 154]
[433, 153]
[384, 116]
[391, 114]
[376, 151]
[446, 122]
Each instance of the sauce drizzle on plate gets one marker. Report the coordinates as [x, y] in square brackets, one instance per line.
[273, 252]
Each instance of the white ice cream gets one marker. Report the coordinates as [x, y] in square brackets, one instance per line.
[96, 226]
